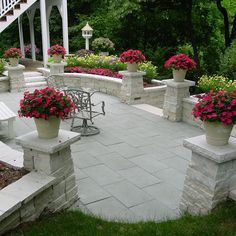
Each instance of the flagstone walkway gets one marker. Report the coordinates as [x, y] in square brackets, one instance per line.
[133, 170]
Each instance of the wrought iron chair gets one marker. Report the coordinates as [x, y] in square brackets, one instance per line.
[85, 110]
[57, 82]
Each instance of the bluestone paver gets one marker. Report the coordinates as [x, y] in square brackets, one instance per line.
[133, 170]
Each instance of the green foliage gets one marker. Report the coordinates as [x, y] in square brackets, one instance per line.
[215, 82]
[102, 45]
[150, 69]
[228, 62]
[96, 61]
[2, 65]
[186, 49]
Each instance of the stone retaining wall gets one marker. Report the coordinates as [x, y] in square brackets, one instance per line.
[49, 187]
[4, 84]
[153, 96]
[188, 104]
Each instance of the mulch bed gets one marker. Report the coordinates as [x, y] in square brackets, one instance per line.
[9, 175]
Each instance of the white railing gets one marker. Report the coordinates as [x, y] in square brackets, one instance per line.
[7, 5]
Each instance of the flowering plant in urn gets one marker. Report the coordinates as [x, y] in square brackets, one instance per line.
[216, 106]
[180, 61]
[45, 103]
[56, 50]
[132, 56]
[216, 109]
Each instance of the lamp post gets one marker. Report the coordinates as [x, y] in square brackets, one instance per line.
[87, 33]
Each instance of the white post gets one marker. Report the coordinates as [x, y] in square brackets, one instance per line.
[31, 14]
[44, 31]
[87, 43]
[65, 26]
[21, 36]
[49, 9]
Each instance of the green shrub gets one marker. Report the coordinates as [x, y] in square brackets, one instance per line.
[150, 69]
[96, 61]
[110, 62]
[215, 82]
[102, 45]
[228, 62]
[2, 65]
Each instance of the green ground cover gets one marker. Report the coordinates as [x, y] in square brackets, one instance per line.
[222, 222]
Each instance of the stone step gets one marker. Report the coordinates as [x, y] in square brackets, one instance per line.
[32, 74]
[36, 84]
[35, 79]
[232, 194]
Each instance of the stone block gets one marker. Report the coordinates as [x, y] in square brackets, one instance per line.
[70, 182]
[10, 222]
[27, 211]
[59, 189]
[208, 177]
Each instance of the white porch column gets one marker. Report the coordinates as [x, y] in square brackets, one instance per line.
[49, 9]
[64, 16]
[44, 31]
[21, 36]
[31, 14]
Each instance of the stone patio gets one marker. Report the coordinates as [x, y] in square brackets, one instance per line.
[134, 169]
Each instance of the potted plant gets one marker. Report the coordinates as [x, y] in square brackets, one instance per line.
[180, 64]
[48, 107]
[57, 52]
[103, 46]
[132, 57]
[13, 55]
[217, 110]
[28, 50]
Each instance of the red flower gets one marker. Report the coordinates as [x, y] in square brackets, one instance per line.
[56, 50]
[216, 106]
[132, 56]
[180, 61]
[12, 53]
[44, 103]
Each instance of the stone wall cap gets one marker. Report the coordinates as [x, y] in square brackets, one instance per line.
[219, 154]
[32, 141]
[132, 74]
[186, 83]
[18, 67]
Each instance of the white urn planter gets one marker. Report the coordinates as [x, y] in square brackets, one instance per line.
[132, 67]
[217, 134]
[47, 129]
[14, 61]
[179, 75]
[57, 58]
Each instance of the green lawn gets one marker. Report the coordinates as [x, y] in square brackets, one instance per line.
[221, 222]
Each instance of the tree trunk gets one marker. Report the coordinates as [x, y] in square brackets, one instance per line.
[233, 32]
[189, 5]
[226, 21]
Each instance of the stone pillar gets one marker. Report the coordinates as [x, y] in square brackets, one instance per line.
[173, 104]
[209, 175]
[52, 157]
[56, 68]
[16, 78]
[132, 87]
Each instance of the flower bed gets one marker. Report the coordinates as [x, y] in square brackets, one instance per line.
[94, 71]
[9, 175]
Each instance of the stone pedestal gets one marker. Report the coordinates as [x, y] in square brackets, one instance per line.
[56, 68]
[16, 78]
[132, 87]
[209, 175]
[52, 157]
[173, 104]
